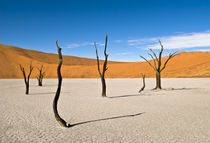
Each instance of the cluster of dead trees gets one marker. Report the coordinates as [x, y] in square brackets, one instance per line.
[39, 76]
[157, 66]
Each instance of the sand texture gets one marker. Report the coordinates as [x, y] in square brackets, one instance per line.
[179, 113]
[186, 64]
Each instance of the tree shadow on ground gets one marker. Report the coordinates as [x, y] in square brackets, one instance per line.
[130, 95]
[110, 118]
[45, 93]
[171, 89]
[48, 85]
[151, 92]
[42, 93]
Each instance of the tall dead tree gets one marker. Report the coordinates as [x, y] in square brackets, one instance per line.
[26, 79]
[102, 74]
[61, 121]
[143, 80]
[40, 76]
[157, 66]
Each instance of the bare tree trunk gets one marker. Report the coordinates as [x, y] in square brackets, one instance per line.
[27, 87]
[40, 82]
[158, 80]
[55, 101]
[103, 87]
[143, 77]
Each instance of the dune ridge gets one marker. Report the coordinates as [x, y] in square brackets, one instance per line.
[186, 64]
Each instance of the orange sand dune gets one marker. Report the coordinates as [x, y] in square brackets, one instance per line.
[186, 64]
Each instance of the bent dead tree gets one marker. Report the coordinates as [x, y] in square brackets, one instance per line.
[26, 79]
[157, 66]
[40, 76]
[143, 79]
[61, 121]
[102, 74]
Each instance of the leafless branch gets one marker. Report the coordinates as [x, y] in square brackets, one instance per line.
[153, 60]
[98, 65]
[148, 62]
[169, 57]
[160, 55]
[154, 54]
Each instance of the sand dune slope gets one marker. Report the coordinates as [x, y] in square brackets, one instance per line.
[186, 64]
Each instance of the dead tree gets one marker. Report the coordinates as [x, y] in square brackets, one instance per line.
[26, 79]
[62, 122]
[40, 76]
[157, 66]
[143, 77]
[102, 74]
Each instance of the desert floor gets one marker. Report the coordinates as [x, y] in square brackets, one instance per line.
[178, 113]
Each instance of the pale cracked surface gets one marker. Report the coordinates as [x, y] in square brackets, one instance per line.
[181, 114]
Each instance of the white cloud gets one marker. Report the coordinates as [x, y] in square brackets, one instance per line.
[203, 50]
[100, 44]
[118, 41]
[76, 45]
[123, 53]
[187, 40]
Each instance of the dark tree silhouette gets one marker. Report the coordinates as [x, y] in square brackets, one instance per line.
[143, 79]
[26, 79]
[40, 76]
[158, 68]
[61, 121]
[102, 74]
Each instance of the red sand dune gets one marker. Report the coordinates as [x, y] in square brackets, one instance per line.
[186, 64]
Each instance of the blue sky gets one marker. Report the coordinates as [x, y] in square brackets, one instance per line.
[132, 26]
